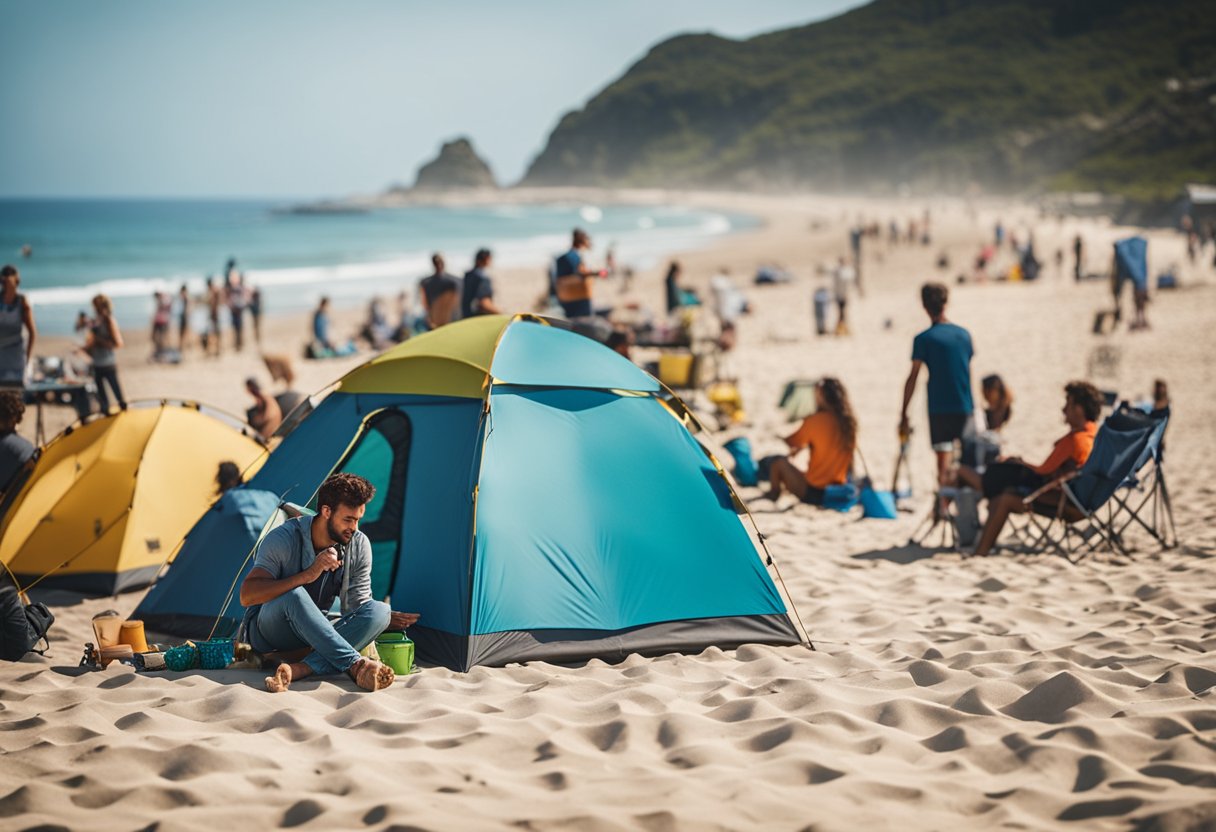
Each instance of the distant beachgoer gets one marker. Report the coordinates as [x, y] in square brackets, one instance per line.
[16, 315]
[405, 317]
[672, 283]
[1006, 482]
[255, 313]
[440, 294]
[619, 342]
[376, 330]
[946, 350]
[104, 338]
[477, 293]
[15, 450]
[27, 251]
[162, 315]
[998, 402]
[299, 570]
[831, 434]
[1078, 254]
[320, 326]
[998, 234]
[265, 415]
[228, 476]
[237, 298]
[572, 278]
[183, 317]
[843, 278]
[821, 299]
[214, 301]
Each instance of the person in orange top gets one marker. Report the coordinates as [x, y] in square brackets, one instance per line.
[831, 434]
[1005, 481]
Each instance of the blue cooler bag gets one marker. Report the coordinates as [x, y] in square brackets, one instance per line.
[745, 467]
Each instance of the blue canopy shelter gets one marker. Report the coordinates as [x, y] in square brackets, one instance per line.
[536, 498]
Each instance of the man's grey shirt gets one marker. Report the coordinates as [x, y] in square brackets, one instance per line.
[288, 551]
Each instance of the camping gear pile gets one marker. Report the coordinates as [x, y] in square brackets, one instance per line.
[124, 641]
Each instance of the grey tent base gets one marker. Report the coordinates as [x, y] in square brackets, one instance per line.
[95, 583]
[567, 646]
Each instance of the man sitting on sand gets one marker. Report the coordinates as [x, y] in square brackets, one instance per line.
[299, 569]
[1006, 482]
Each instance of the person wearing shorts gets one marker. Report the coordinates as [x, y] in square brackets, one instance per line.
[945, 349]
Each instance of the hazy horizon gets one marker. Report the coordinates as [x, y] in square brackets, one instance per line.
[141, 100]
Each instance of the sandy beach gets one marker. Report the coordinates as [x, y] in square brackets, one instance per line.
[1011, 692]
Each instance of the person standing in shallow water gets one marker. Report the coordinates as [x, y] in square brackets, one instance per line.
[16, 315]
[299, 570]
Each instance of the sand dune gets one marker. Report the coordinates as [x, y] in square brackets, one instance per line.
[1016, 692]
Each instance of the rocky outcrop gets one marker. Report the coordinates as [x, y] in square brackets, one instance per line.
[457, 167]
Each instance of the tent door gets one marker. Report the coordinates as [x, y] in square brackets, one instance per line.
[381, 455]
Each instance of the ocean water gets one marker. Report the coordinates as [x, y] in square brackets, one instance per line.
[128, 249]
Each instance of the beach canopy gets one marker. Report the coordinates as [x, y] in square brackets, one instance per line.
[1131, 260]
[104, 505]
[536, 498]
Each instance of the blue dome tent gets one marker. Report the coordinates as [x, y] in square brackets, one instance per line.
[537, 498]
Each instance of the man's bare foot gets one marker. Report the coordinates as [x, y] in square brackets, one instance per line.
[371, 675]
[285, 674]
[281, 680]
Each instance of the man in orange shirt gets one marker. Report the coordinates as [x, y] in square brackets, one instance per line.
[831, 434]
[1082, 406]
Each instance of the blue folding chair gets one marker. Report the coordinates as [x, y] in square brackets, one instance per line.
[1095, 505]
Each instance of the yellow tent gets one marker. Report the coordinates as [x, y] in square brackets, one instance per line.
[106, 503]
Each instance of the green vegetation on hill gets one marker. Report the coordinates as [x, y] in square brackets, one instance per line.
[1115, 95]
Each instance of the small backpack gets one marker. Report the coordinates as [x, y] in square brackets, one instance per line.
[22, 626]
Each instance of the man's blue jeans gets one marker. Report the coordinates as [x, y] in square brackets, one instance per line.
[293, 620]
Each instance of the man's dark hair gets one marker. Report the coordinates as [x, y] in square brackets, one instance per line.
[228, 476]
[1088, 397]
[8, 271]
[437, 261]
[345, 489]
[482, 256]
[12, 408]
[933, 297]
[580, 236]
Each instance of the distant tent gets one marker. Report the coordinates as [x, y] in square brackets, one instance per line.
[105, 504]
[536, 499]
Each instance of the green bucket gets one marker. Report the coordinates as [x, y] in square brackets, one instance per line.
[397, 652]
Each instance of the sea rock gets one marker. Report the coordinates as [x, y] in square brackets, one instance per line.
[457, 167]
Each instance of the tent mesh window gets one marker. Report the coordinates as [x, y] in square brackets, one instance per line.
[381, 456]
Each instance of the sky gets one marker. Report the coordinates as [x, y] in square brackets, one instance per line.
[307, 99]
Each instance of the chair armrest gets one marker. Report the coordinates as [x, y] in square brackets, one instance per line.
[1051, 486]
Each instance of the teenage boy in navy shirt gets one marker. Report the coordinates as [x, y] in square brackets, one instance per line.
[946, 350]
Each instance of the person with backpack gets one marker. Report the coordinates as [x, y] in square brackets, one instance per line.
[22, 625]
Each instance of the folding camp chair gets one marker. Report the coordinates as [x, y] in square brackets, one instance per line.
[1095, 505]
[1143, 500]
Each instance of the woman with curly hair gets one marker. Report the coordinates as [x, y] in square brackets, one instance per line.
[831, 435]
